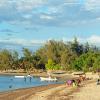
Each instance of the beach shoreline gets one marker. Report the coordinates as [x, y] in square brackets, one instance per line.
[46, 92]
[24, 93]
[42, 92]
[12, 93]
[62, 76]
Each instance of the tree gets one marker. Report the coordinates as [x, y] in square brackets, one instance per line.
[50, 65]
[15, 60]
[27, 60]
[86, 47]
[67, 58]
[27, 53]
[5, 59]
[96, 65]
[76, 47]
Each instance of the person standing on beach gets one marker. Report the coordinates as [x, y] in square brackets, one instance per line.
[69, 82]
[74, 84]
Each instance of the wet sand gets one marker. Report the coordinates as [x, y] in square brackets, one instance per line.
[24, 94]
[49, 92]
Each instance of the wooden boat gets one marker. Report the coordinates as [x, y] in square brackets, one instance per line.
[19, 76]
[48, 79]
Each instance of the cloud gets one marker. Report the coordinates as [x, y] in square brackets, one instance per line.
[21, 42]
[29, 4]
[22, 4]
[49, 12]
[17, 10]
[92, 5]
[46, 17]
[94, 39]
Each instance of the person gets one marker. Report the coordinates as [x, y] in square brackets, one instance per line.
[30, 78]
[29, 75]
[25, 79]
[98, 82]
[69, 82]
[78, 81]
[74, 84]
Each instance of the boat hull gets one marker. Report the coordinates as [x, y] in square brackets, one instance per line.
[19, 76]
[47, 79]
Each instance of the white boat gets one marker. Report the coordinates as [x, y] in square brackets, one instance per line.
[48, 79]
[19, 76]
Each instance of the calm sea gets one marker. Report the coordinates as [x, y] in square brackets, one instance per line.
[8, 83]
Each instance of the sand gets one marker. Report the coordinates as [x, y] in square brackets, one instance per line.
[63, 92]
[49, 92]
[88, 92]
[24, 94]
[57, 93]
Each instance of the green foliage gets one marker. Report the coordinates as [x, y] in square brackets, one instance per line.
[27, 53]
[76, 47]
[5, 60]
[57, 67]
[87, 62]
[96, 65]
[54, 55]
[52, 66]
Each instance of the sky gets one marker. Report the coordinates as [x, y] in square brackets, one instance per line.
[28, 23]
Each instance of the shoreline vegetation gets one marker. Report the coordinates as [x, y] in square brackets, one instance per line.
[54, 55]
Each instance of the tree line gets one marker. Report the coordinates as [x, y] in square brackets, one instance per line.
[54, 55]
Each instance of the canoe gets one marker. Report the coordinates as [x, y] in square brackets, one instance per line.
[48, 79]
[19, 76]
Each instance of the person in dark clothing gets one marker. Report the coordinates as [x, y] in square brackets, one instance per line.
[98, 82]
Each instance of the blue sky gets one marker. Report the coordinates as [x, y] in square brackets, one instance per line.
[28, 23]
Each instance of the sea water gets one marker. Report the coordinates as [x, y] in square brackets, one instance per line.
[9, 82]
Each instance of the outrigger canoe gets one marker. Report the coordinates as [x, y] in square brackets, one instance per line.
[19, 76]
[48, 79]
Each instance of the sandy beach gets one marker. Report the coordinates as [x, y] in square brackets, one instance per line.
[24, 94]
[55, 92]
[62, 92]
[87, 91]
[49, 92]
